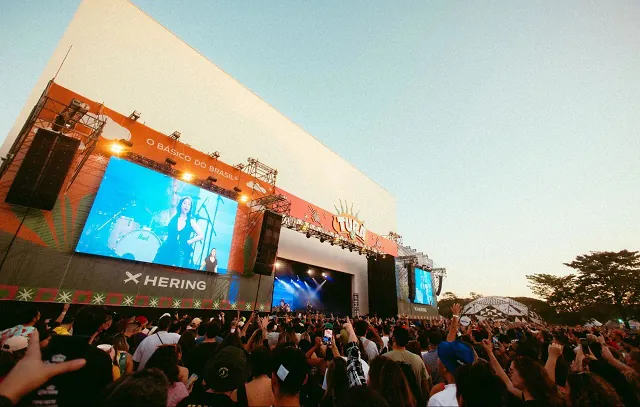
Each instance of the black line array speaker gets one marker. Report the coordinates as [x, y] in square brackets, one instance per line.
[381, 276]
[411, 279]
[268, 243]
[43, 170]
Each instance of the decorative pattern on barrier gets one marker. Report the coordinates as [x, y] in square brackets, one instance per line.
[72, 296]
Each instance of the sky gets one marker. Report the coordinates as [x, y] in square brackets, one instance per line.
[508, 131]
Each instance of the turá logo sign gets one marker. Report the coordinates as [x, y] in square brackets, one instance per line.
[347, 224]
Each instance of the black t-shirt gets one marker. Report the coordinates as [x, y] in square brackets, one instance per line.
[207, 400]
[197, 360]
[83, 387]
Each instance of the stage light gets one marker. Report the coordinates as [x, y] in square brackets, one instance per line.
[384, 255]
[215, 155]
[175, 135]
[350, 248]
[116, 148]
[322, 239]
[324, 275]
[187, 176]
[244, 198]
[308, 235]
[135, 115]
[278, 264]
[238, 190]
[310, 272]
[169, 161]
[212, 179]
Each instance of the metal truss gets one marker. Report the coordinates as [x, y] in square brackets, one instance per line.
[71, 119]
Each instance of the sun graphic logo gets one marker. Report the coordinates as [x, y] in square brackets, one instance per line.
[346, 223]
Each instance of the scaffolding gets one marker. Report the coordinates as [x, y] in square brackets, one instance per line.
[71, 119]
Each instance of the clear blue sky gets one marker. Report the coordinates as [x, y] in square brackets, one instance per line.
[508, 131]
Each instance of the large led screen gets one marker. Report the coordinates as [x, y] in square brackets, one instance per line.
[424, 287]
[143, 215]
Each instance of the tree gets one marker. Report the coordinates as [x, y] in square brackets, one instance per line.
[561, 293]
[610, 278]
[474, 295]
[606, 285]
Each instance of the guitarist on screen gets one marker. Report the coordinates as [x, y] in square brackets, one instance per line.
[177, 249]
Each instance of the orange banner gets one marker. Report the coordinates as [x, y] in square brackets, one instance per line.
[343, 223]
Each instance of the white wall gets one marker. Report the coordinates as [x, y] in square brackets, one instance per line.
[126, 60]
[122, 57]
[296, 246]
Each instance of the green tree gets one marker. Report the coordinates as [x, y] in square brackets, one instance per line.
[610, 278]
[605, 285]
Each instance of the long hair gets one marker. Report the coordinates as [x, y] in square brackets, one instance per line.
[589, 389]
[255, 341]
[165, 358]
[173, 224]
[337, 380]
[187, 342]
[537, 381]
[388, 379]
[120, 343]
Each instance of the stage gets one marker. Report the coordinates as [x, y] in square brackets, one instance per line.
[302, 288]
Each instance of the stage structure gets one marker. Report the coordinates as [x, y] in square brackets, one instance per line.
[67, 224]
[418, 282]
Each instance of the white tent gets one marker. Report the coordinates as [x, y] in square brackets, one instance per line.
[500, 309]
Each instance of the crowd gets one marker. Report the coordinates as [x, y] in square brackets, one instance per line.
[96, 358]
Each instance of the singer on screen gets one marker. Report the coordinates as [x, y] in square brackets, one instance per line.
[177, 249]
[210, 264]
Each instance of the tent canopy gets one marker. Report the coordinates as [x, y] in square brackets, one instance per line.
[500, 309]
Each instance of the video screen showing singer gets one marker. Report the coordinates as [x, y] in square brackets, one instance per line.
[145, 215]
[182, 234]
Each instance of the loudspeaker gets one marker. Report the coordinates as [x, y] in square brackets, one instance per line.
[381, 276]
[43, 170]
[411, 280]
[268, 243]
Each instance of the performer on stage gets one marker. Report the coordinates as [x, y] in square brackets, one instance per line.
[177, 249]
[210, 263]
[309, 306]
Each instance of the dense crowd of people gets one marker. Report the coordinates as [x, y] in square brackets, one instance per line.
[96, 358]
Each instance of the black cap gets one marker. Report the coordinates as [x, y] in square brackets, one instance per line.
[227, 370]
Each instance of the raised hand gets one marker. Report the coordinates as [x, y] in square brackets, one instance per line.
[456, 309]
[555, 350]
[31, 372]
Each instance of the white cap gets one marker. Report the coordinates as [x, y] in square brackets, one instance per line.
[15, 343]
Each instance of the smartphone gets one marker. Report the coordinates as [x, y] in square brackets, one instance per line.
[328, 337]
[192, 380]
[496, 342]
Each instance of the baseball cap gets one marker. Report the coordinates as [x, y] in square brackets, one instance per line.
[15, 343]
[142, 320]
[227, 370]
[328, 325]
[455, 354]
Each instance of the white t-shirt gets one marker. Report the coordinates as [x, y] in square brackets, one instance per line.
[369, 347]
[151, 343]
[272, 337]
[446, 397]
[365, 370]
[385, 340]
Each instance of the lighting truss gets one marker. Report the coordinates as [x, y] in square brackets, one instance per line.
[317, 232]
[169, 170]
[70, 119]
